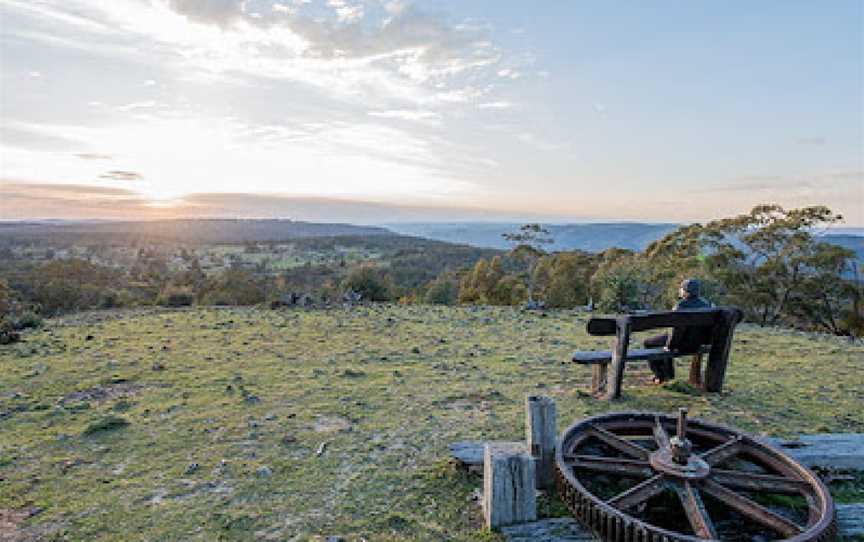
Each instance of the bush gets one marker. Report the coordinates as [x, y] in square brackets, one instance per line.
[441, 292]
[28, 320]
[234, 287]
[173, 296]
[368, 280]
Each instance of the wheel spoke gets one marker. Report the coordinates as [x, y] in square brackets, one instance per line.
[759, 482]
[638, 493]
[751, 509]
[660, 434]
[723, 452]
[694, 508]
[621, 444]
[613, 465]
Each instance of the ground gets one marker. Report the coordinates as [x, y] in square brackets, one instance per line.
[251, 424]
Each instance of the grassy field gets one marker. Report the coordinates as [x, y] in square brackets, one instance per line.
[247, 424]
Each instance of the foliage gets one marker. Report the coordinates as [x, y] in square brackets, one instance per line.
[563, 280]
[176, 296]
[528, 244]
[441, 292]
[69, 285]
[369, 281]
[622, 283]
[233, 287]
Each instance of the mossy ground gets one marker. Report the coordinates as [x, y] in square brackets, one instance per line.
[252, 395]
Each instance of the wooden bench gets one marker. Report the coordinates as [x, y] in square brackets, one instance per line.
[695, 332]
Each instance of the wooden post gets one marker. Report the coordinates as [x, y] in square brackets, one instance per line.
[509, 490]
[540, 426]
[619, 357]
[696, 371]
[599, 377]
[718, 358]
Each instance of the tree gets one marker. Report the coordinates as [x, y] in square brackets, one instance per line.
[563, 280]
[441, 291]
[369, 281]
[527, 244]
[233, 287]
[761, 258]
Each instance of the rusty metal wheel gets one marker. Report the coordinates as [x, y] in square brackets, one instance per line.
[624, 477]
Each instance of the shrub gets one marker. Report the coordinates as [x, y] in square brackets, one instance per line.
[27, 320]
[441, 292]
[369, 281]
[173, 296]
[233, 287]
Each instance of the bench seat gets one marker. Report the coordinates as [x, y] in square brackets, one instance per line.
[636, 354]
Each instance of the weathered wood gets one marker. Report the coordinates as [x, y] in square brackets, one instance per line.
[850, 522]
[599, 378]
[509, 488]
[718, 358]
[619, 358]
[540, 436]
[695, 376]
[837, 451]
[637, 354]
[470, 452]
[850, 519]
[548, 530]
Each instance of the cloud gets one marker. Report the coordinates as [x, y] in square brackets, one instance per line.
[429, 117]
[501, 104]
[120, 175]
[94, 156]
[218, 12]
[35, 137]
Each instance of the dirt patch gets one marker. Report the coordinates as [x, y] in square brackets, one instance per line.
[11, 520]
[331, 424]
[103, 393]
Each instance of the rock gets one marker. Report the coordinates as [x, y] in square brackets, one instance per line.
[415, 350]
[288, 439]
[334, 538]
[158, 366]
[191, 468]
[264, 472]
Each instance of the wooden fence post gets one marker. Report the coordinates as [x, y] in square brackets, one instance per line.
[540, 426]
[509, 489]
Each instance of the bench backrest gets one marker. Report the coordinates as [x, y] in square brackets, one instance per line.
[692, 328]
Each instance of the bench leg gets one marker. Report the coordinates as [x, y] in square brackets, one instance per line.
[619, 359]
[696, 370]
[599, 377]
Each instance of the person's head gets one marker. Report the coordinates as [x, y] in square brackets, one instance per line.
[689, 288]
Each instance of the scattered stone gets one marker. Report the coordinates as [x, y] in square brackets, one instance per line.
[264, 472]
[158, 366]
[350, 373]
[250, 398]
[89, 338]
[320, 451]
[191, 468]
[415, 350]
[288, 439]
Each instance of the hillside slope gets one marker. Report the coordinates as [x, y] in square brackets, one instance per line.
[246, 424]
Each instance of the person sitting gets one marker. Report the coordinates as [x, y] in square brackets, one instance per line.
[688, 299]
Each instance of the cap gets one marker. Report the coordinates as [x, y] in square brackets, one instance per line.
[691, 286]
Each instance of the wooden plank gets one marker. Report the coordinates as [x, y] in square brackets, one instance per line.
[837, 451]
[682, 318]
[850, 521]
[509, 486]
[548, 530]
[540, 436]
[636, 354]
[470, 452]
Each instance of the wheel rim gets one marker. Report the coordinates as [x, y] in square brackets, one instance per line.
[626, 478]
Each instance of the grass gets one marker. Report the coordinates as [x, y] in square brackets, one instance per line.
[334, 422]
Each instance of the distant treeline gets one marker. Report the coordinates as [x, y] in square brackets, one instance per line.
[191, 231]
[768, 262]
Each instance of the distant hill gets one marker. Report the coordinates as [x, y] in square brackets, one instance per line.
[588, 237]
[204, 231]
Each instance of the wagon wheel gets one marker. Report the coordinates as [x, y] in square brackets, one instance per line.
[623, 476]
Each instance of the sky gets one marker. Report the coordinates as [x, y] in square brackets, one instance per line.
[376, 111]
